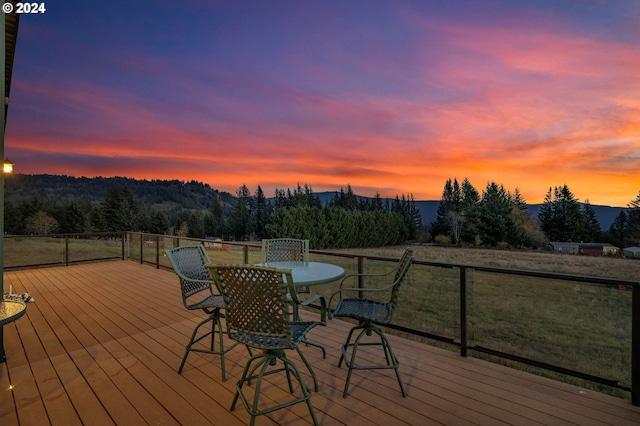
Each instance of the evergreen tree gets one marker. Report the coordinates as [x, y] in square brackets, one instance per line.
[341, 227]
[469, 208]
[346, 199]
[592, 232]
[545, 215]
[240, 221]
[110, 210]
[119, 210]
[143, 220]
[527, 229]
[128, 214]
[518, 200]
[303, 196]
[560, 216]
[406, 208]
[495, 220]
[633, 221]
[96, 220]
[215, 222]
[29, 208]
[175, 221]
[280, 199]
[567, 215]
[74, 217]
[376, 203]
[298, 197]
[158, 222]
[414, 215]
[195, 224]
[91, 214]
[13, 223]
[262, 214]
[450, 216]
[618, 230]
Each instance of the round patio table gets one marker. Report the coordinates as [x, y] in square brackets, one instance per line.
[306, 274]
[10, 310]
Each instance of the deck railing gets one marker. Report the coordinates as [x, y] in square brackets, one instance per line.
[34, 251]
[577, 327]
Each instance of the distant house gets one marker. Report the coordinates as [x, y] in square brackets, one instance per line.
[632, 252]
[213, 243]
[600, 249]
[594, 249]
[571, 248]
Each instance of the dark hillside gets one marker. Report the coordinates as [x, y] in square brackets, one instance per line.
[154, 193]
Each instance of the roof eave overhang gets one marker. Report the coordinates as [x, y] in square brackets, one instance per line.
[11, 21]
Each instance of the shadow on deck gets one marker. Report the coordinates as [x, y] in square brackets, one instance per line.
[102, 343]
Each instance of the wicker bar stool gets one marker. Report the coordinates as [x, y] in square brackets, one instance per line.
[370, 312]
[197, 293]
[256, 302]
[284, 249]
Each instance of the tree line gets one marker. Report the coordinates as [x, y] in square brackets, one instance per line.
[345, 221]
[498, 218]
[494, 217]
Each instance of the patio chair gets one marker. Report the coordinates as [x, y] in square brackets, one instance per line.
[290, 250]
[372, 311]
[197, 293]
[256, 300]
[284, 249]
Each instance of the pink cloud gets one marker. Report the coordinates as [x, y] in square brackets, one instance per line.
[526, 103]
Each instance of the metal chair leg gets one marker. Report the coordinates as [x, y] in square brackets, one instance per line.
[215, 319]
[392, 361]
[260, 363]
[193, 340]
[313, 374]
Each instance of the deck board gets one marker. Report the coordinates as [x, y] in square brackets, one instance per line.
[102, 343]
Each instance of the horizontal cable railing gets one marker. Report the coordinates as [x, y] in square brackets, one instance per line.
[33, 251]
[518, 315]
[579, 326]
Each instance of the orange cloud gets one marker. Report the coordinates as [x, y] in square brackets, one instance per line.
[528, 103]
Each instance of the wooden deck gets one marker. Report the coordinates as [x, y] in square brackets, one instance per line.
[102, 342]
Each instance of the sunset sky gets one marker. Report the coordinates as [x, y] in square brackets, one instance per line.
[393, 97]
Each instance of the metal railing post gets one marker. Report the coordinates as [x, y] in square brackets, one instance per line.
[360, 272]
[157, 252]
[66, 250]
[635, 345]
[464, 344]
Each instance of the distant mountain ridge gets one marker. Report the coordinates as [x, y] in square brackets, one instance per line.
[189, 195]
